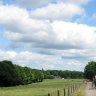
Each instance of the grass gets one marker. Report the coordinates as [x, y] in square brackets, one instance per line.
[37, 89]
[81, 91]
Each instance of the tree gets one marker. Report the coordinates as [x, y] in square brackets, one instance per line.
[90, 70]
[8, 74]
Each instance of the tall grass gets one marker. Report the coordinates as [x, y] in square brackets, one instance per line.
[81, 91]
[37, 89]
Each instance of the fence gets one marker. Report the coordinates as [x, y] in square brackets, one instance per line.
[68, 91]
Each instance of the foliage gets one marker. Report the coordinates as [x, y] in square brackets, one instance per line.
[63, 74]
[90, 70]
[27, 75]
[11, 74]
[8, 75]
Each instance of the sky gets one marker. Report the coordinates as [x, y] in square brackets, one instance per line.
[48, 34]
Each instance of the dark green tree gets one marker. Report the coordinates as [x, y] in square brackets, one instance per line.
[8, 74]
[90, 70]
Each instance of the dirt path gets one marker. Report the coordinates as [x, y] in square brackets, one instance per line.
[89, 90]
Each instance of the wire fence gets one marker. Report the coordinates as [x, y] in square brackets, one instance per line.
[69, 90]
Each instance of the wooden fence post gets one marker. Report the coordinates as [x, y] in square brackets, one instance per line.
[75, 87]
[49, 94]
[58, 93]
[71, 89]
[64, 92]
[68, 92]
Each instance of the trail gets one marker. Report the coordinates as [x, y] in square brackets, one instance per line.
[89, 90]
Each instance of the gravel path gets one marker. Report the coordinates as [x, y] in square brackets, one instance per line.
[89, 90]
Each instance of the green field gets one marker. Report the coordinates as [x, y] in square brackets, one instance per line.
[37, 89]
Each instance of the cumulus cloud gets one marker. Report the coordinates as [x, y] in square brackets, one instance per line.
[73, 54]
[33, 60]
[21, 28]
[17, 19]
[55, 43]
[59, 11]
[64, 35]
[74, 33]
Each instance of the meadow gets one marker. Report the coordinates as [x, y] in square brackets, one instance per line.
[38, 89]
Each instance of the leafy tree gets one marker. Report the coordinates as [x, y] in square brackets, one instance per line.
[25, 75]
[8, 75]
[90, 70]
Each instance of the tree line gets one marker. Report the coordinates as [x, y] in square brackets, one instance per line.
[12, 74]
[63, 74]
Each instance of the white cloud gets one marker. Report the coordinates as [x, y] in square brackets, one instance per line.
[17, 19]
[7, 55]
[12, 13]
[45, 34]
[65, 35]
[59, 11]
[73, 33]
[53, 42]
[75, 63]
[33, 60]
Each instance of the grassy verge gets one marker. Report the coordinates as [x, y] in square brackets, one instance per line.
[37, 89]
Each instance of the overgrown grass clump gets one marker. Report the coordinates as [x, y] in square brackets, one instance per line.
[81, 91]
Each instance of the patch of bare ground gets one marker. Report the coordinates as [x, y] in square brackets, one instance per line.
[90, 91]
